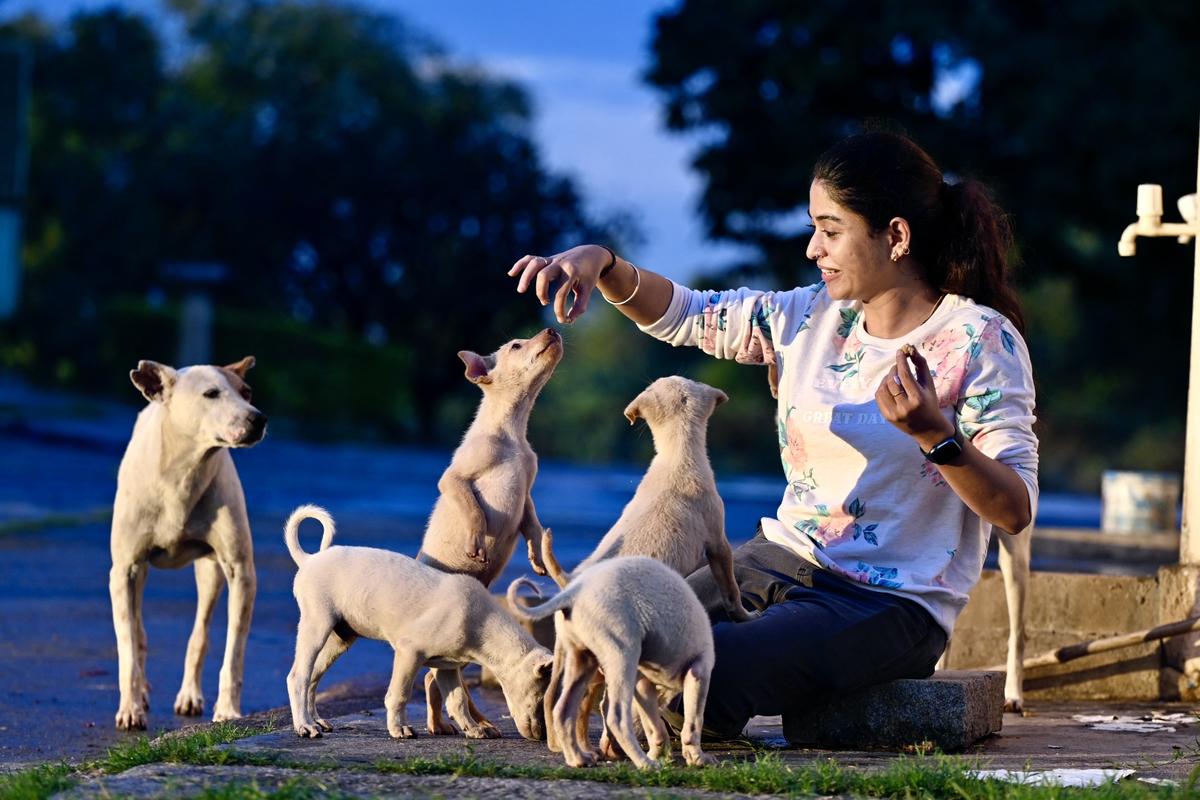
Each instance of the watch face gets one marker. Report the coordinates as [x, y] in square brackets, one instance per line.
[946, 451]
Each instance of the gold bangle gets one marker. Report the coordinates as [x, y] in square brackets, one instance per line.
[637, 285]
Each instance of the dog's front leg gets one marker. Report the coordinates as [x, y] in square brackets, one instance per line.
[122, 587]
[531, 529]
[209, 583]
[458, 705]
[405, 664]
[458, 490]
[242, 586]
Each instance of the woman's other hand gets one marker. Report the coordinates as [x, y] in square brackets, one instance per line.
[911, 403]
[578, 269]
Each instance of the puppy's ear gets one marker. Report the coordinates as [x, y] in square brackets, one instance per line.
[718, 396]
[478, 367]
[153, 380]
[545, 668]
[241, 367]
[633, 411]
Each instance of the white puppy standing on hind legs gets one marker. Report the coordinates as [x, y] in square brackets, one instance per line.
[179, 501]
[429, 618]
[639, 622]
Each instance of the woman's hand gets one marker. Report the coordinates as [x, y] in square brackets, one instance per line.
[577, 268]
[911, 404]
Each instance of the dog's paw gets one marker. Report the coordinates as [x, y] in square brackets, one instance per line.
[307, 730]
[609, 749]
[1014, 705]
[483, 732]
[402, 732]
[323, 725]
[698, 758]
[582, 758]
[442, 727]
[131, 717]
[224, 712]
[189, 703]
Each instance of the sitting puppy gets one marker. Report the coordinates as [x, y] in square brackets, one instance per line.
[485, 499]
[429, 617]
[676, 514]
[639, 622]
[179, 501]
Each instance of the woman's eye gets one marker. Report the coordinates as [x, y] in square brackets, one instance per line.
[213, 394]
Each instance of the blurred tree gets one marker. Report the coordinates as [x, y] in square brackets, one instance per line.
[348, 173]
[1061, 108]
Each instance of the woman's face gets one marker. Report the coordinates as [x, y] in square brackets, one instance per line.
[855, 263]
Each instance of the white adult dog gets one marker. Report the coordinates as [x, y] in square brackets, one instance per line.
[179, 501]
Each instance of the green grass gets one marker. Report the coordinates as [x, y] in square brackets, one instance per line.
[189, 748]
[905, 778]
[36, 783]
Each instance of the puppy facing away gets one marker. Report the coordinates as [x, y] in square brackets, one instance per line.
[485, 500]
[636, 620]
[676, 514]
[429, 617]
[179, 501]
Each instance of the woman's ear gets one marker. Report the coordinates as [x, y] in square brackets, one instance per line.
[899, 235]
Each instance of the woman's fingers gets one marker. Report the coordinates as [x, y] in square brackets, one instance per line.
[583, 293]
[906, 379]
[924, 376]
[547, 275]
[560, 299]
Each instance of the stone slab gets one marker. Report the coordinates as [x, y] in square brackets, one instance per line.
[951, 710]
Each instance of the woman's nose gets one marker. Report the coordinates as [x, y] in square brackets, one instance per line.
[814, 249]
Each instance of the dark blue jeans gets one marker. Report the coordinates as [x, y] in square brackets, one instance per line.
[819, 635]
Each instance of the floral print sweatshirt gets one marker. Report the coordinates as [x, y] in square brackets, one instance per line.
[861, 500]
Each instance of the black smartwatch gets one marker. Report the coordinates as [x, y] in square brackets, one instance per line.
[946, 450]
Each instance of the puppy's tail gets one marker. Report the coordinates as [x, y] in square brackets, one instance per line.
[560, 602]
[550, 561]
[291, 531]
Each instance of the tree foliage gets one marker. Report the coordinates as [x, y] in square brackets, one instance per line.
[1062, 108]
[345, 170]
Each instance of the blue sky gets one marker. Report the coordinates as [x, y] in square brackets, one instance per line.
[595, 119]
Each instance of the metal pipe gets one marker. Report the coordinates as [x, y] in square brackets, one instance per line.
[1071, 652]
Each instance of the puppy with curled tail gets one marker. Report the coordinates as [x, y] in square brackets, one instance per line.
[637, 621]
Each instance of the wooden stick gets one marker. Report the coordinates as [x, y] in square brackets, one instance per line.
[1071, 652]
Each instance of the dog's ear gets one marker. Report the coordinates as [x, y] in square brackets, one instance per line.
[718, 396]
[153, 380]
[241, 367]
[633, 411]
[478, 367]
[545, 668]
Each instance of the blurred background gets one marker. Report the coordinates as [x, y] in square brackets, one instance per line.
[339, 190]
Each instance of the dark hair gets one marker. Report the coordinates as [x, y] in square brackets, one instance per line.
[960, 237]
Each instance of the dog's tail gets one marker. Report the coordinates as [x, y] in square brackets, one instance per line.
[553, 568]
[561, 601]
[291, 531]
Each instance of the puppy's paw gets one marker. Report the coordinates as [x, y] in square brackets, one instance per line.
[482, 732]
[583, 758]
[402, 732]
[307, 730]
[323, 725]
[1014, 705]
[742, 615]
[224, 712]
[698, 758]
[441, 727]
[189, 703]
[131, 717]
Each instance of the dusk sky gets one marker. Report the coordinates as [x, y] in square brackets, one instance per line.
[595, 119]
